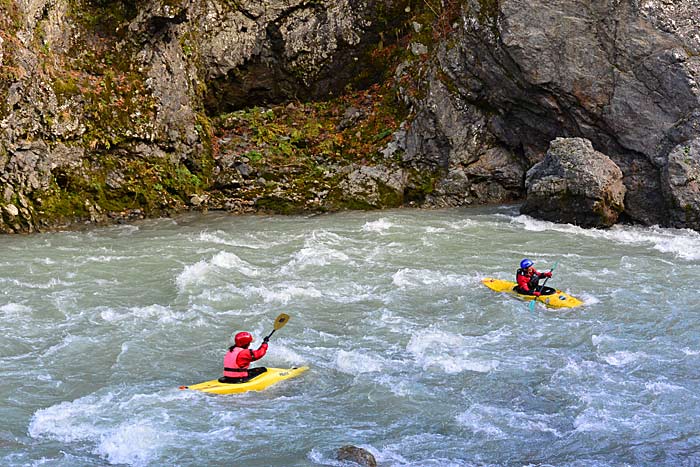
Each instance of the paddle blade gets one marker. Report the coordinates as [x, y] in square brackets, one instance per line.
[531, 305]
[281, 320]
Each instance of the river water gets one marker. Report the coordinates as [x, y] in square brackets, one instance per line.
[410, 357]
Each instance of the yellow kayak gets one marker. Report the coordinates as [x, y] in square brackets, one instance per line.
[558, 299]
[260, 382]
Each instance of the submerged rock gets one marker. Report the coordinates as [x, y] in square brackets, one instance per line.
[575, 184]
[357, 455]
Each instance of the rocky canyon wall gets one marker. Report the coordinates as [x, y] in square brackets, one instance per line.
[120, 110]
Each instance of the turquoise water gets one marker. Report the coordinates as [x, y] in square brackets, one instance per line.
[411, 357]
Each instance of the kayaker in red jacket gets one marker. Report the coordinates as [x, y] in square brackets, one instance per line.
[239, 357]
[528, 278]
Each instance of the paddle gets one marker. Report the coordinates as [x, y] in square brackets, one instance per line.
[541, 287]
[280, 321]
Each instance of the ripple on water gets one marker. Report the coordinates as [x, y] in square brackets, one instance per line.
[411, 357]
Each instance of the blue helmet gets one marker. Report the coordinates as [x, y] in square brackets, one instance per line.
[526, 263]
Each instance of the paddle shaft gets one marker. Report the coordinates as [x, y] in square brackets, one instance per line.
[541, 287]
[547, 278]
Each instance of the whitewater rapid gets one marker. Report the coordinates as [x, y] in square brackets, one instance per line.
[411, 357]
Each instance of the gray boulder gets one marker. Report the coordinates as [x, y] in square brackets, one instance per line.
[681, 184]
[575, 184]
[517, 74]
[367, 187]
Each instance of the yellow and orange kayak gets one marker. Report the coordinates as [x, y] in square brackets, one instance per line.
[558, 299]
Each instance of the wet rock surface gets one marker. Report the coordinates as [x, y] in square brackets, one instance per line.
[359, 456]
[575, 184]
[113, 103]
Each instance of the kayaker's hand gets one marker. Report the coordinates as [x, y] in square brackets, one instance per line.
[548, 274]
[536, 294]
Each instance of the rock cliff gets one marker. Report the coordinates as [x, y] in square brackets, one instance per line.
[116, 110]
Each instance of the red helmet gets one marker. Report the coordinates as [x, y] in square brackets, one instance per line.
[242, 339]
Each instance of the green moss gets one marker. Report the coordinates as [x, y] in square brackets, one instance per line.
[62, 207]
[153, 186]
[356, 205]
[279, 205]
[422, 183]
[66, 86]
[64, 201]
[105, 17]
[488, 14]
[9, 71]
[489, 9]
[117, 109]
[204, 163]
[297, 147]
[389, 197]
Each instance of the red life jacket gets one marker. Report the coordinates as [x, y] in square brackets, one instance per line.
[231, 368]
[525, 282]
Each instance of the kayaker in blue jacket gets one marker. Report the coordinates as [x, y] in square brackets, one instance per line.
[528, 279]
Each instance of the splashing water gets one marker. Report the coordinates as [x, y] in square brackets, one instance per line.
[411, 357]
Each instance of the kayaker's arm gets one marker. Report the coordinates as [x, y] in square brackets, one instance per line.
[245, 358]
[260, 353]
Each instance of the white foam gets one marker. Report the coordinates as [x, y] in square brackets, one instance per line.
[123, 351]
[602, 339]
[350, 363]
[151, 313]
[219, 238]
[411, 278]
[662, 387]
[487, 419]
[278, 351]
[103, 259]
[588, 299]
[69, 341]
[199, 272]
[379, 226]
[318, 458]
[52, 283]
[622, 358]
[226, 260]
[686, 246]
[682, 243]
[282, 293]
[593, 420]
[316, 255]
[398, 387]
[476, 420]
[99, 420]
[134, 443]
[14, 310]
[192, 274]
[450, 352]
[68, 421]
